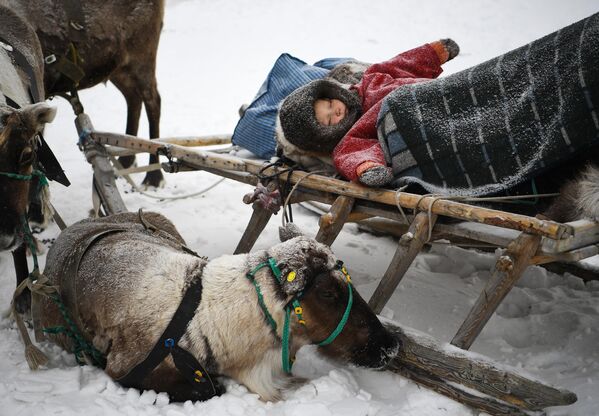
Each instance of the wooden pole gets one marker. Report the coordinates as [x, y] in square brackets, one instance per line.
[482, 404]
[436, 361]
[258, 221]
[507, 271]
[445, 207]
[332, 222]
[104, 184]
[408, 248]
[197, 141]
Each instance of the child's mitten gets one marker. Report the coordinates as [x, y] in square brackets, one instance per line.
[446, 49]
[374, 174]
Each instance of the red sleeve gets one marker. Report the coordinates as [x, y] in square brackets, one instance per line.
[421, 62]
[359, 145]
[416, 65]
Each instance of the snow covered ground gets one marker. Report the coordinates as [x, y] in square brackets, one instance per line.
[213, 57]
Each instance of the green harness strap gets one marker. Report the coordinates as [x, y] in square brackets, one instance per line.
[287, 362]
[38, 173]
[82, 349]
[251, 277]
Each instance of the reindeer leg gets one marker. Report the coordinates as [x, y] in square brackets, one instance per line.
[134, 101]
[19, 256]
[151, 99]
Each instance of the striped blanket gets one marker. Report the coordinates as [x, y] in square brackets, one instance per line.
[495, 125]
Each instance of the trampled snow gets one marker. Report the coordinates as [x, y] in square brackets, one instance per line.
[213, 57]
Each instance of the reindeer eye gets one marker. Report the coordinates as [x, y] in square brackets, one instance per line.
[26, 157]
[328, 295]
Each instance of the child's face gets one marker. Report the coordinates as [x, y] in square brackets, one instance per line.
[329, 112]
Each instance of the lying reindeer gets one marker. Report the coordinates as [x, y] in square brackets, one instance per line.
[122, 279]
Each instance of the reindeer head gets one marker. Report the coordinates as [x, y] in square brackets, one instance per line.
[19, 131]
[312, 275]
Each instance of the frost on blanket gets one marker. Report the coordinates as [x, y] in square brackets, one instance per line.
[500, 123]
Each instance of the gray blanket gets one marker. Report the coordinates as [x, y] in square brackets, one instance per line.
[495, 125]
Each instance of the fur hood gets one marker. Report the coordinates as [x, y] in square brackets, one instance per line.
[297, 122]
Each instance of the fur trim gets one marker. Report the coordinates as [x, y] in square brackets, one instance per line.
[298, 122]
[588, 193]
[348, 72]
[311, 161]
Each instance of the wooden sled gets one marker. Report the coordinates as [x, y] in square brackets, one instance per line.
[527, 241]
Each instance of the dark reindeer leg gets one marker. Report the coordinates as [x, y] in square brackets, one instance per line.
[19, 256]
[151, 99]
[134, 101]
[138, 84]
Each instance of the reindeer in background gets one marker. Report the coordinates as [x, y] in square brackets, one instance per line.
[92, 41]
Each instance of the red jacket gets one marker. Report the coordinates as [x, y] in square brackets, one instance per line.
[361, 144]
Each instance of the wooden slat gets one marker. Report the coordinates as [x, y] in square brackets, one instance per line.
[258, 222]
[507, 271]
[584, 232]
[407, 249]
[197, 141]
[332, 222]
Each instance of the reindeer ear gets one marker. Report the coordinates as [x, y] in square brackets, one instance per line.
[37, 115]
[308, 263]
[295, 280]
[5, 113]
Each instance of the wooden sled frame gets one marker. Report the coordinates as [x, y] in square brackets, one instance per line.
[528, 240]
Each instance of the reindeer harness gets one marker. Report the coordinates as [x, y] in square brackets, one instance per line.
[167, 344]
[297, 308]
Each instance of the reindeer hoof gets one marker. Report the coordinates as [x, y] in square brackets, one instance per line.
[153, 179]
[126, 161]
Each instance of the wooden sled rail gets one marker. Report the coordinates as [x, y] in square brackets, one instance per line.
[191, 141]
[200, 159]
[441, 367]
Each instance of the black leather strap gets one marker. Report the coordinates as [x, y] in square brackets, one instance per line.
[186, 363]
[46, 158]
[24, 64]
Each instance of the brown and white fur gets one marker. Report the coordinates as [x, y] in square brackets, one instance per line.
[579, 198]
[129, 284]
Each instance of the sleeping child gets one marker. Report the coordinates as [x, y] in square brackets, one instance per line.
[337, 116]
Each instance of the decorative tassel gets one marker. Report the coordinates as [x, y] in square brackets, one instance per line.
[34, 356]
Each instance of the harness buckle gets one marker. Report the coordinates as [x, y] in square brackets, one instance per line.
[200, 376]
[76, 25]
[50, 59]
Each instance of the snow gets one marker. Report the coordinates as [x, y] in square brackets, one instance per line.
[213, 57]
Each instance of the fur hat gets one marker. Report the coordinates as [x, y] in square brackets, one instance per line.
[297, 121]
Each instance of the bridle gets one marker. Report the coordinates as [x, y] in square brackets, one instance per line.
[20, 177]
[297, 308]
